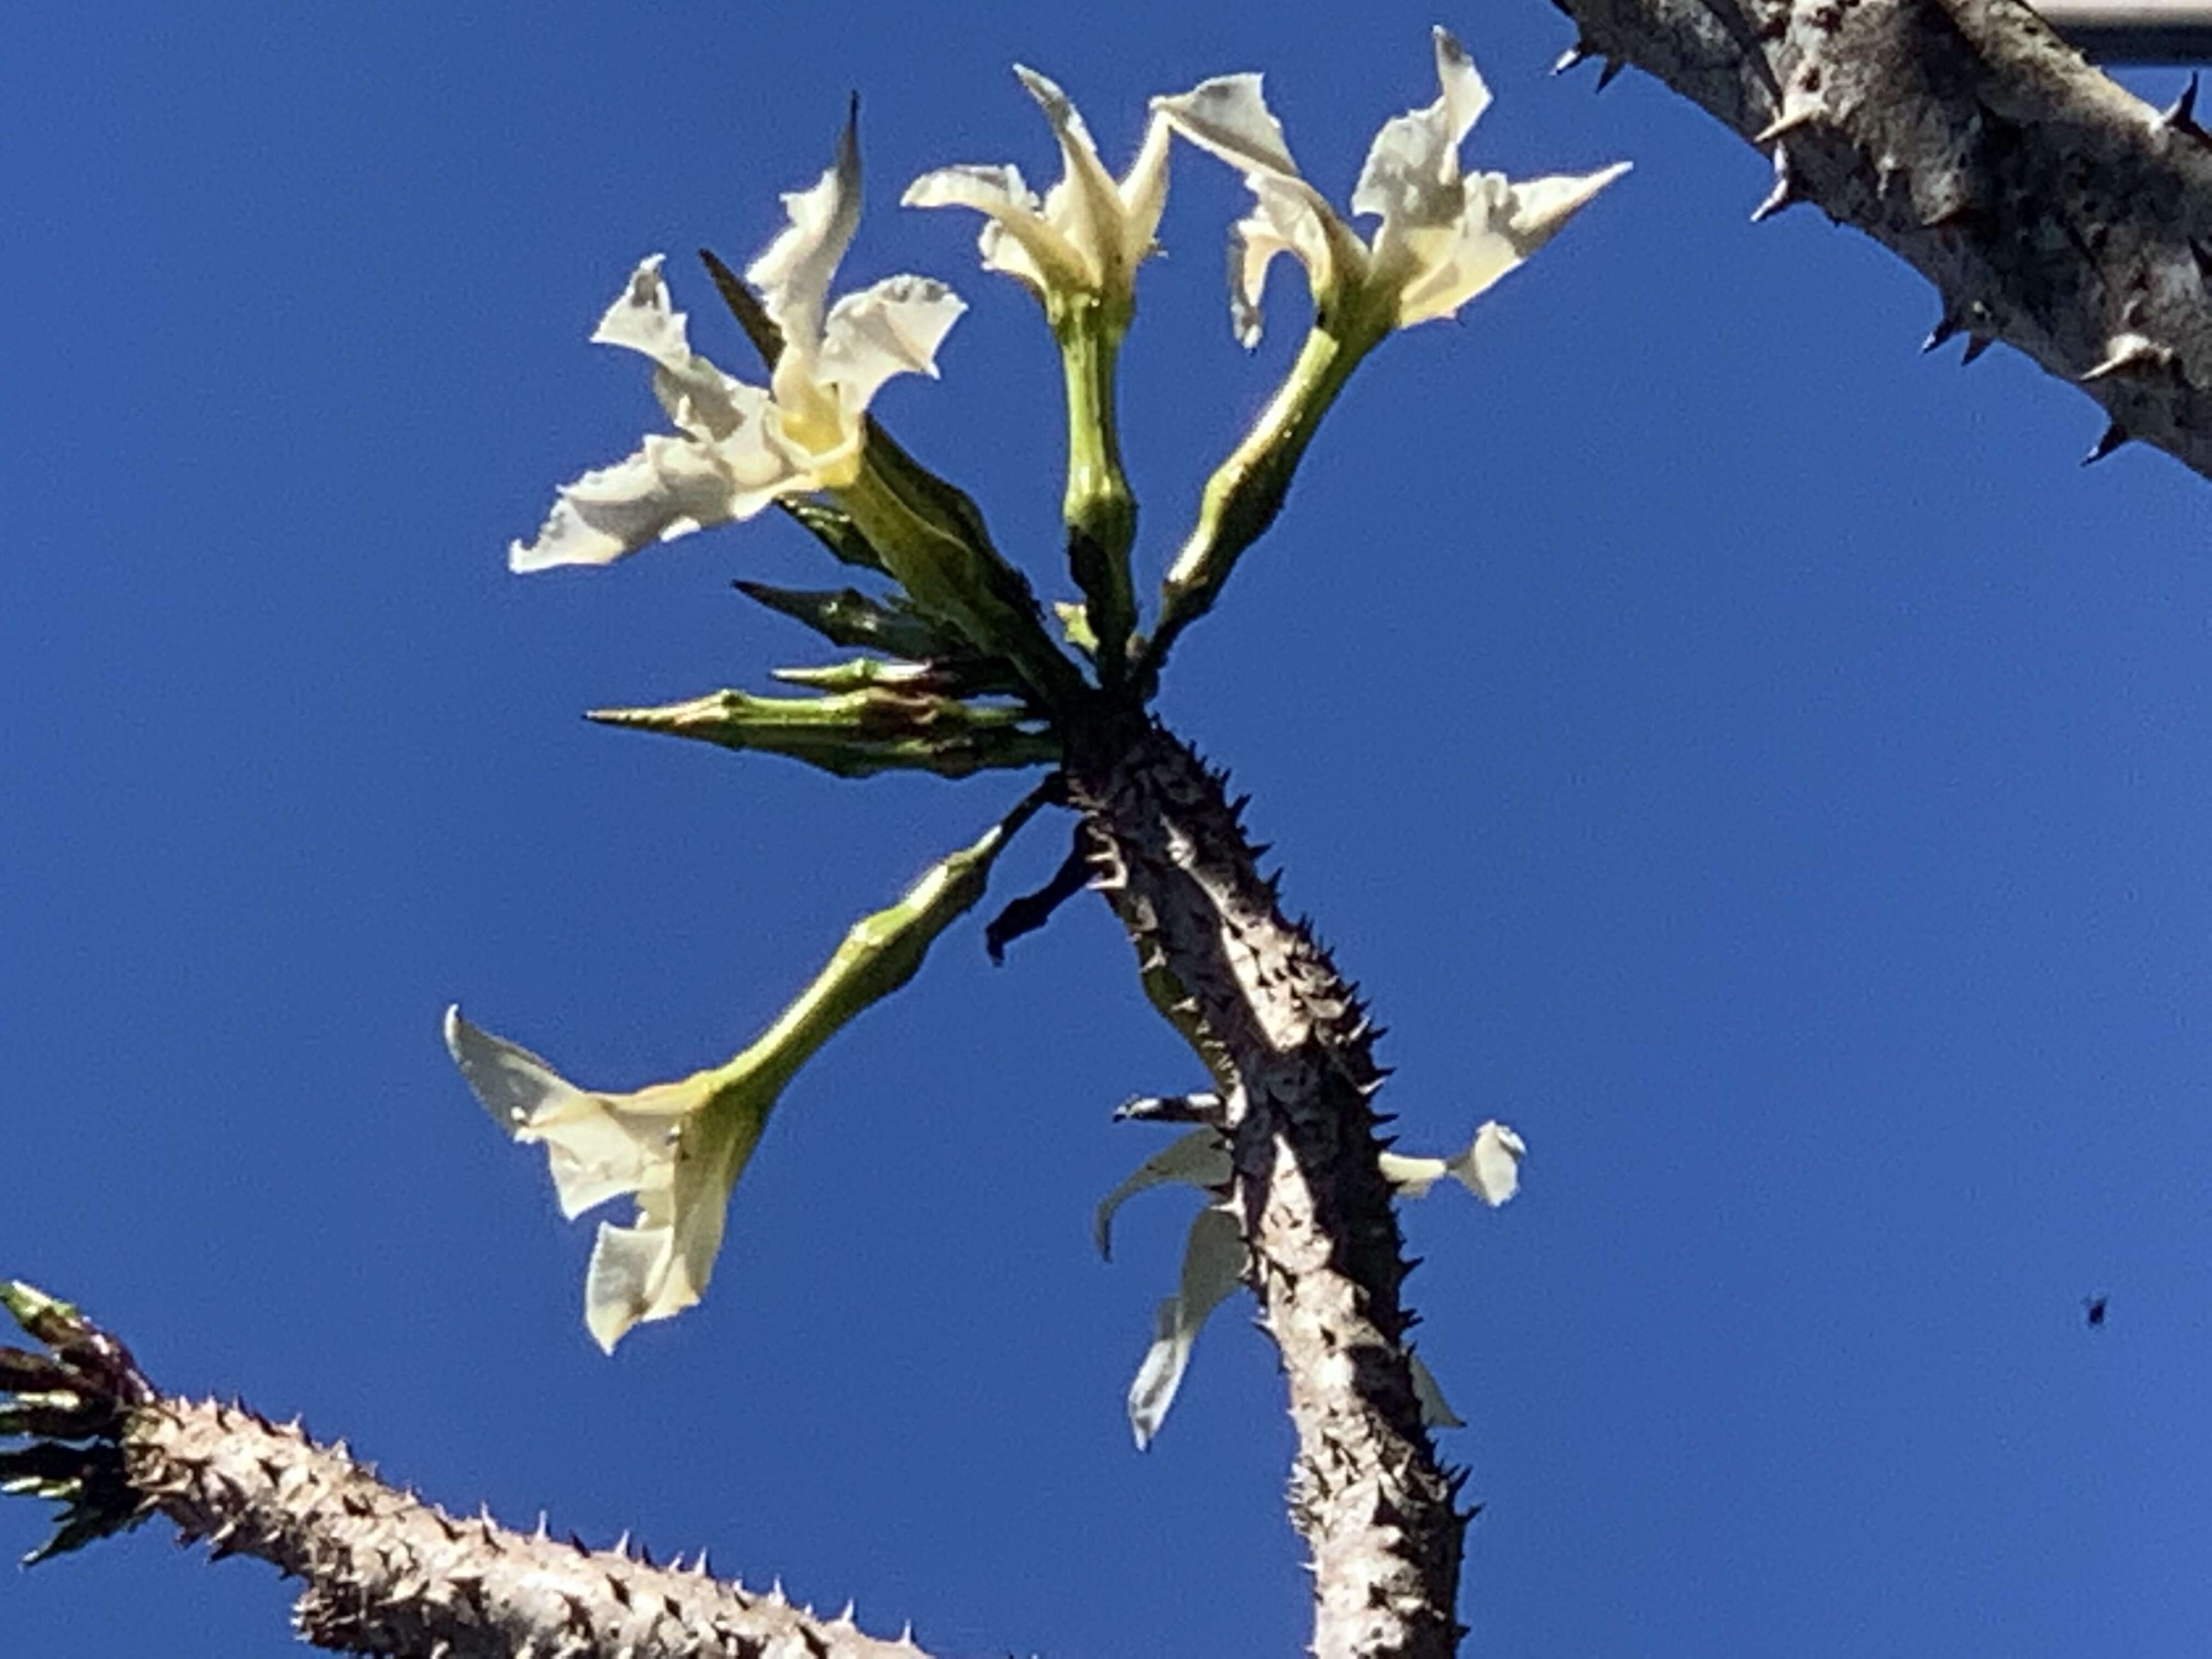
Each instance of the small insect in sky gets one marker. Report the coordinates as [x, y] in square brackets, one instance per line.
[2094, 1308]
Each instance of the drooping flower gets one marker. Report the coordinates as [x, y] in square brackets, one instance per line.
[1088, 235]
[1445, 235]
[678, 1147]
[738, 447]
[1214, 1253]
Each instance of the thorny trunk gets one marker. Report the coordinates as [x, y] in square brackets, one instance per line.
[2053, 210]
[1288, 1045]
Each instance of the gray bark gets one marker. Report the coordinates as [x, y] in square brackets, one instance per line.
[2053, 210]
[1290, 1046]
[387, 1573]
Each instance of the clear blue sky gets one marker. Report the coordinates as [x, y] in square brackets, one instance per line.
[1750, 758]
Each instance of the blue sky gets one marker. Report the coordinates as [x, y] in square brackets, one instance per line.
[1750, 758]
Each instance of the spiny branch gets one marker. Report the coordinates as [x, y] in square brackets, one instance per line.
[385, 1571]
[2053, 210]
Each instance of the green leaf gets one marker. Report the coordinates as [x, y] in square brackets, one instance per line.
[845, 616]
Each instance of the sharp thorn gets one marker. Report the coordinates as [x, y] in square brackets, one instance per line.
[2115, 435]
[2181, 115]
[1788, 121]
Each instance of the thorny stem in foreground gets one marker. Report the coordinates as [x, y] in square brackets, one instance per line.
[385, 1571]
[2053, 210]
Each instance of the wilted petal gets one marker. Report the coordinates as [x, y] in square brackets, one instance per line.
[793, 274]
[893, 328]
[1199, 1159]
[1212, 1264]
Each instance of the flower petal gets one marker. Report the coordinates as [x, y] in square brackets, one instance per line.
[1540, 206]
[514, 1086]
[1228, 116]
[1212, 1264]
[1038, 255]
[1287, 220]
[1143, 193]
[597, 1146]
[793, 274]
[670, 487]
[630, 1280]
[699, 398]
[1490, 1168]
[1085, 205]
[892, 328]
[1412, 170]
[1500, 225]
[1199, 1159]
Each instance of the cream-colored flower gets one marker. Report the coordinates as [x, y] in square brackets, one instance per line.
[1490, 1168]
[1214, 1253]
[1089, 235]
[678, 1147]
[1445, 235]
[738, 447]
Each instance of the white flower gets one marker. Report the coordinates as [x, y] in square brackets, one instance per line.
[1089, 235]
[1214, 1254]
[1445, 235]
[679, 1147]
[736, 447]
[1490, 1168]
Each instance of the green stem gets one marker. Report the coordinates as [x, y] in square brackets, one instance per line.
[1099, 509]
[878, 955]
[1247, 490]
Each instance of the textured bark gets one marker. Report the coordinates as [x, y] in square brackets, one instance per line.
[1290, 1046]
[387, 1573]
[2053, 210]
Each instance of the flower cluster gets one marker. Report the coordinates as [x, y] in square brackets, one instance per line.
[969, 676]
